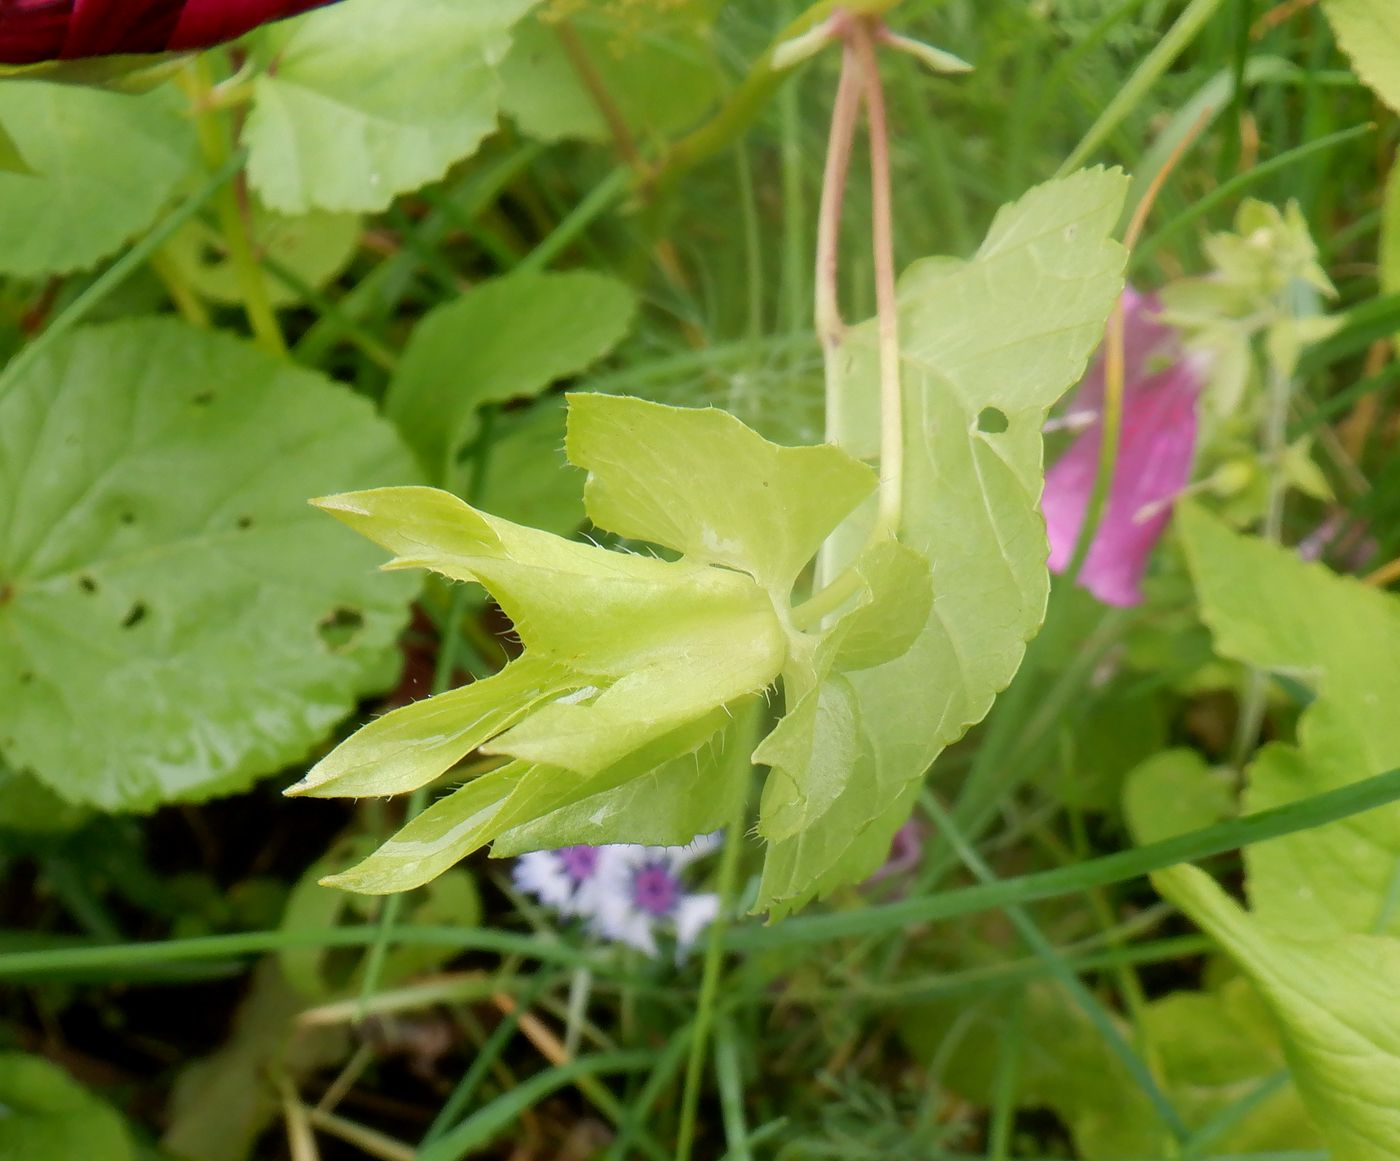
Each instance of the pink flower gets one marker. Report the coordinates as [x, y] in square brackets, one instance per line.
[39, 30]
[1158, 442]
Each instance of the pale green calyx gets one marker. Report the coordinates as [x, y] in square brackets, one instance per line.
[629, 661]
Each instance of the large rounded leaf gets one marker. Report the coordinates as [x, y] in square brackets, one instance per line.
[175, 620]
[102, 166]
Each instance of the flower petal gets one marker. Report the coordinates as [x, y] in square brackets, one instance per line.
[1155, 452]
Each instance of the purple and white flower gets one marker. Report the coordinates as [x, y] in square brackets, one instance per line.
[626, 893]
[566, 879]
[1157, 445]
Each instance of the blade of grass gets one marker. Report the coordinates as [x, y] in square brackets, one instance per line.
[1144, 77]
[1031, 934]
[1304, 814]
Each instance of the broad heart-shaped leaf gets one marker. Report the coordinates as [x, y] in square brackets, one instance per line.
[661, 71]
[1369, 33]
[987, 344]
[507, 338]
[176, 621]
[1335, 1000]
[1268, 608]
[368, 100]
[103, 164]
[702, 483]
[45, 1115]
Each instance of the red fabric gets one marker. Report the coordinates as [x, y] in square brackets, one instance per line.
[38, 30]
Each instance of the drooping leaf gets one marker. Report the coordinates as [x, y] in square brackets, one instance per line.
[103, 164]
[988, 346]
[508, 338]
[1369, 33]
[312, 247]
[369, 100]
[224, 1102]
[1268, 608]
[47, 1116]
[162, 580]
[660, 71]
[1334, 999]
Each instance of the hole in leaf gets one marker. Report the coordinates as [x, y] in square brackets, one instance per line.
[341, 626]
[245, 522]
[135, 615]
[128, 517]
[992, 420]
[87, 584]
[203, 399]
[26, 678]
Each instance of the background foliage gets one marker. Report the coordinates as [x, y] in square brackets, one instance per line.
[372, 248]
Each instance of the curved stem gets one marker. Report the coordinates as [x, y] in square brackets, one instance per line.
[887, 306]
[831, 329]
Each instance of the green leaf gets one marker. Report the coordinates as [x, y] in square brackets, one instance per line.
[411, 746]
[162, 580]
[510, 796]
[507, 338]
[104, 165]
[47, 1116]
[313, 247]
[1007, 333]
[221, 1105]
[702, 483]
[1369, 33]
[1174, 792]
[1334, 999]
[11, 159]
[1268, 608]
[660, 71]
[368, 100]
